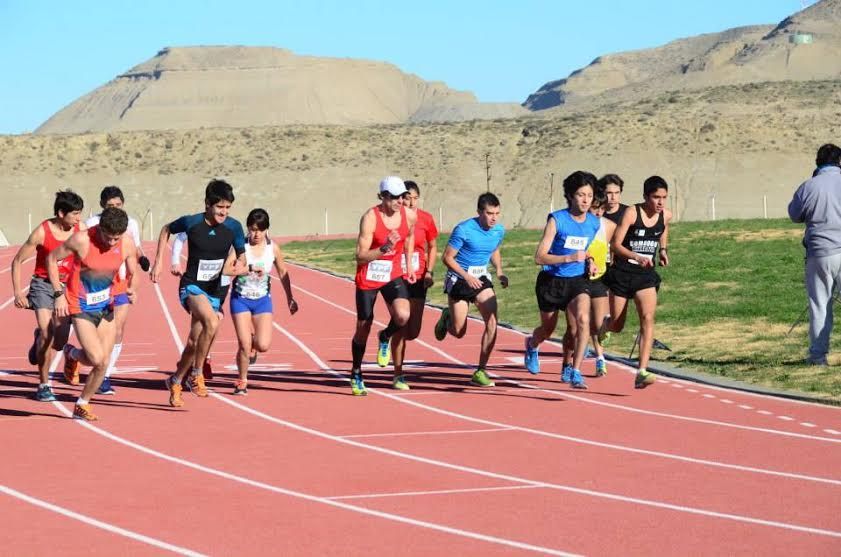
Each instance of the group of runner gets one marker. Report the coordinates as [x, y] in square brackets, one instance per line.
[87, 275]
[595, 256]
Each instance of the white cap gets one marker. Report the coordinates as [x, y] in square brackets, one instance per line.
[393, 185]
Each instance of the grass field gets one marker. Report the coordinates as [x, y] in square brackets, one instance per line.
[727, 302]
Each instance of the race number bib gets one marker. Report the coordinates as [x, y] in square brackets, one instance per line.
[94, 298]
[478, 271]
[415, 262]
[379, 271]
[643, 255]
[209, 269]
[577, 243]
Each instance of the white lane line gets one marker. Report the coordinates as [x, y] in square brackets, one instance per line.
[691, 390]
[434, 492]
[296, 494]
[786, 418]
[570, 395]
[443, 432]
[807, 424]
[486, 473]
[745, 407]
[9, 268]
[707, 395]
[98, 523]
[833, 432]
[765, 412]
[5, 304]
[726, 401]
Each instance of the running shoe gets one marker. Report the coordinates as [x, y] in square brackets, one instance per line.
[531, 358]
[604, 334]
[207, 370]
[33, 350]
[442, 324]
[44, 394]
[601, 367]
[241, 388]
[196, 385]
[105, 388]
[577, 380]
[174, 392]
[383, 352]
[400, 384]
[480, 379]
[357, 385]
[252, 358]
[71, 366]
[566, 374]
[644, 379]
[83, 412]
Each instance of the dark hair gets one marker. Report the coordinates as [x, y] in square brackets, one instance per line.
[487, 200]
[577, 180]
[110, 192]
[410, 185]
[828, 154]
[258, 218]
[67, 201]
[218, 190]
[113, 221]
[607, 179]
[652, 184]
[599, 198]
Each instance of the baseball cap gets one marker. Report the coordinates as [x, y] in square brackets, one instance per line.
[392, 185]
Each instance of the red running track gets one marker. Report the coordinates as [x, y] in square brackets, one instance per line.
[301, 467]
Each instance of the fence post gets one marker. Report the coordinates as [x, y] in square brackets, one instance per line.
[151, 224]
[326, 221]
[765, 206]
[29, 221]
[440, 218]
[713, 206]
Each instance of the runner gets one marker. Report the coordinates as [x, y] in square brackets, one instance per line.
[385, 233]
[224, 285]
[612, 185]
[98, 252]
[563, 283]
[599, 250]
[423, 262]
[51, 332]
[642, 233]
[210, 236]
[251, 299]
[473, 244]
[112, 196]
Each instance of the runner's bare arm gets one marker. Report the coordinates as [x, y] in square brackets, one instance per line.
[431, 259]
[409, 246]
[364, 253]
[664, 239]
[231, 268]
[36, 238]
[542, 255]
[285, 281]
[77, 245]
[132, 275]
[163, 238]
[496, 259]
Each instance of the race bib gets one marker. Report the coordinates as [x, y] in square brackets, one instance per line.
[379, 271]
[252, 293]
[415, 262]
[209, 269]
[478, 271]
[577, 243]
[643, 255]
[94, 298]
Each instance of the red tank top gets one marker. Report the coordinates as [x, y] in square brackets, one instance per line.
[375, 274]
[425, 233]
[92, 278]
[43, 250]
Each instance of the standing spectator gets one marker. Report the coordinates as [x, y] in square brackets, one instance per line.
[817, 202]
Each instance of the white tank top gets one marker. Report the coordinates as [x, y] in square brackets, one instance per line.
[251, 286]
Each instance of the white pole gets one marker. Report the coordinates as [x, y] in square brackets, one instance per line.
[765, 206]
[326, 222]
[713, 206]
[151, 224]
[29, 230]
[552, 205]
[440, 218]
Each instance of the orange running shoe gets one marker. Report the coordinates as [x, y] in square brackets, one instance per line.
[241, 388]
[83, 412]
[197, 386]
[71, 366]
[174, 392]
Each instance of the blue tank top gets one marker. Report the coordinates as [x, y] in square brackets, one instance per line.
[571, 236]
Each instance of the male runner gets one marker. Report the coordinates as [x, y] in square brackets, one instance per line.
[599, 250]
[51, 332]
[385, 233]
[98, 252]
[612, 185]
[473, 244]
[423, 262]
[210, 236]
[641, 237]
[112, 196]
[563, 283]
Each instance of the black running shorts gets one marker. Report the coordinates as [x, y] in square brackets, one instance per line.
[457, 288]
[555, 293]
[627, 283]
[391, 291]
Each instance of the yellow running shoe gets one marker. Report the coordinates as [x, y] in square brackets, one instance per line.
[644, 379]
[384, 353]
[399, 383]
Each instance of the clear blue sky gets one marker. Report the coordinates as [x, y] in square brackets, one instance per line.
[52, 52]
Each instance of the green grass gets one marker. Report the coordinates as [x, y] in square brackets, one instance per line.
[727, 301]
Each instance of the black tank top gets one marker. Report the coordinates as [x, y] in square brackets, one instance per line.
[642, 240]
[616, 217]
